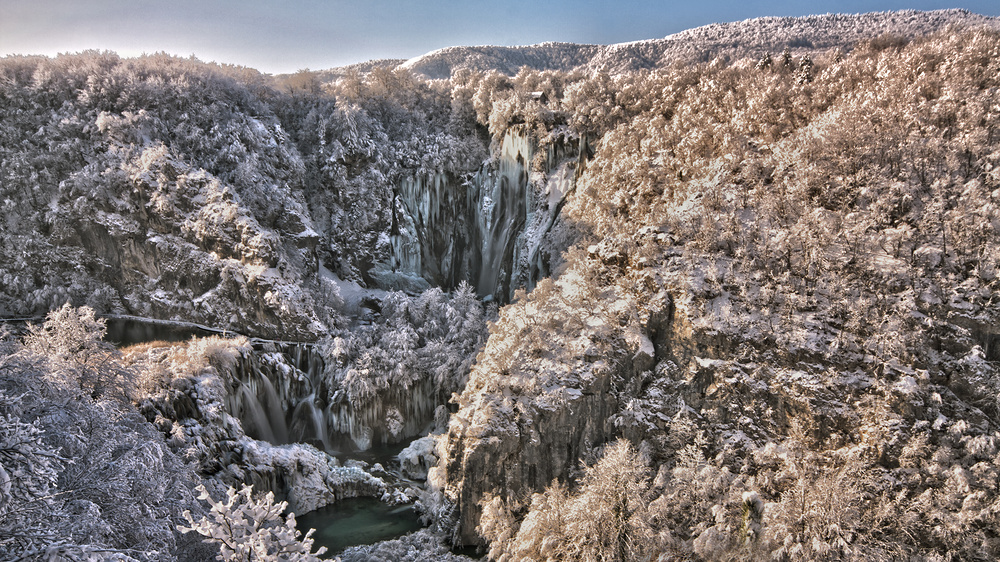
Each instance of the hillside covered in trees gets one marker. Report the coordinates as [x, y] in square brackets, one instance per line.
[739, 303]
[783, 297]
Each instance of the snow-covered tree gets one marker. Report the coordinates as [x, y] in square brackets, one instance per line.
[604, 520]
[252, 530]
[70, 342]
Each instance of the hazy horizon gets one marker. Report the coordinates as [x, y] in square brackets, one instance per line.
[314, 34]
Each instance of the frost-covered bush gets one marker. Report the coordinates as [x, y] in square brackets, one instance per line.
[82, 475]
[604, 519]
[28, 478]
[252, 530]
[70, 342]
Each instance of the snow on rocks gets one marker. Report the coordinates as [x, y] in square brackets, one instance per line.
[418, 457]
[188, 404]
[309, 478]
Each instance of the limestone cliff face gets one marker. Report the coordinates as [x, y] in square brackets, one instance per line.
[195, 250]
[498, 445]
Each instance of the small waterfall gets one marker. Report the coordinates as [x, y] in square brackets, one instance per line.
[362, 437]
[255, 421]
[308, 421]
[275, 412]
[285, 396]
[267, 384]
[320, 422]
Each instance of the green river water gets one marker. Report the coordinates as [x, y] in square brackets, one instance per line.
[354, 521]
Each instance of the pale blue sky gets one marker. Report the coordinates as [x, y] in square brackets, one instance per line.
[283, 36]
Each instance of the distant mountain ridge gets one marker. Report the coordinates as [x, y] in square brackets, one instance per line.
[752, 37]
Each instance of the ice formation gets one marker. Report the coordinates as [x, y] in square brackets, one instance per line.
[485, 228]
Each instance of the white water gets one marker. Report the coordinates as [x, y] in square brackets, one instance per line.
[255, 421]
[275, 412]
[308, 422]
[293, 387]
[504, 203]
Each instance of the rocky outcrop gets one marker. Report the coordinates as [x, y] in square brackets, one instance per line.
[679, 378]
[514, 449]
[300, 474]
[523, 423]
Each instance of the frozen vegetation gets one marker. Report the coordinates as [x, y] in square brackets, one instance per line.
[783, 295]
[731, 294]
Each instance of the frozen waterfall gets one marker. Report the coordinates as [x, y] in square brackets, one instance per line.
[484, 228]
[286, 396]
[503, 209]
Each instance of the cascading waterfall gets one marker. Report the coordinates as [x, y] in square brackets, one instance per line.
[269, 388]
[308, 422]
[275, 412]
[281, 397]
[389, 417]
[255, 422]
[485, 228]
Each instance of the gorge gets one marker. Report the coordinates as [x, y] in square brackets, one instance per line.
[730, 294]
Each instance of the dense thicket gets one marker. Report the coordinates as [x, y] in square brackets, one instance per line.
[874, 176]
[82, 475]
[168, 187]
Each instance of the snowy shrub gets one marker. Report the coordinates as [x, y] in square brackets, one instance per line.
[252, 530]
[28, 478]
[83, 478]
[606, 519]
[70, 341]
